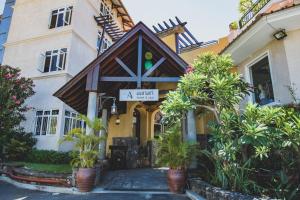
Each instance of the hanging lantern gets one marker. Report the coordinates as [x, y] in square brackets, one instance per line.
[148, 62]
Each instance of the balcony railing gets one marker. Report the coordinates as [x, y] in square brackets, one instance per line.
[251, 13]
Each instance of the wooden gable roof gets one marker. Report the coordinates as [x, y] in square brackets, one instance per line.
[75, 94]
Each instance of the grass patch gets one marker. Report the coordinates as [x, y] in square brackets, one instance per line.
[50, 168]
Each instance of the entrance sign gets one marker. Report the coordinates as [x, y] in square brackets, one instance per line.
[139, 95]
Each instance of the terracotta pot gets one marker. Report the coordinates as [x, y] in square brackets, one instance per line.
[177, 180]
[86, 179]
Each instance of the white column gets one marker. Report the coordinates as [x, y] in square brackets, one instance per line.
[184, 127]
[102, 146]
[191, 133]
[92, 108]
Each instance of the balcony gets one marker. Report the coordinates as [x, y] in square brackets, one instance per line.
[251, 13]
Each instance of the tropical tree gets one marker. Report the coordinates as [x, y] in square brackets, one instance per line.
[173, 151]
[14, 90]
[210, 85]
[86, 143]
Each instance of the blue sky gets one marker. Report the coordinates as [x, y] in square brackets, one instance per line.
[207, 20]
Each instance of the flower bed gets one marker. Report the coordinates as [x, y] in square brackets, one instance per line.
[19, 173]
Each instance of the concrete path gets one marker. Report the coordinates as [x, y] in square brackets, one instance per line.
[136, 180]
[10, 192]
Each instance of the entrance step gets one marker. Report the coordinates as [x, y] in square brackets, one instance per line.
[154, 180]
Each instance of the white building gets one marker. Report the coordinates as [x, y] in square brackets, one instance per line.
[51, 41]
[266, 50]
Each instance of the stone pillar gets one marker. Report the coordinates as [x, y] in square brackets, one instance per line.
[92, 108]
[102, 146]
[191, 133]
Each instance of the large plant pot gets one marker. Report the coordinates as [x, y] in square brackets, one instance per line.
[86, 179]
[177, 180]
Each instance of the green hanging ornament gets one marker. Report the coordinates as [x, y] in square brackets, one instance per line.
[148, 62]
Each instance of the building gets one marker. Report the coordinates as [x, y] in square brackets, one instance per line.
[266, 50]
[52, 41]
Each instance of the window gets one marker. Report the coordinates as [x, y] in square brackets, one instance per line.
[262, 82]
[61, 17]
[53, 61]
[104, 9]
[46, 122]
[71, 122]
[105, 43]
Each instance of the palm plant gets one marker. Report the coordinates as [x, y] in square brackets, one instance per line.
[173, 151]
[87, 144]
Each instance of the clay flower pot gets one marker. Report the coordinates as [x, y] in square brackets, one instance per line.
[86, 179]
[177, 180]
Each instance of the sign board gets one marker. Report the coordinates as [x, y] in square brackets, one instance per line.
[139, 95]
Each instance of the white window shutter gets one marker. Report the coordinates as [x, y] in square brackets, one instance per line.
[41, 64]
[61, 52]
[69, 11]
[58, 60]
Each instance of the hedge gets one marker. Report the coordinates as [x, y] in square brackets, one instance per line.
[49, 157]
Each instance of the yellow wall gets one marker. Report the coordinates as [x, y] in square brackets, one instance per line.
[170, 40]
[190, 56]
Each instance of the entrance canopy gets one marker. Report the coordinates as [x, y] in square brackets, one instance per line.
[138, 60]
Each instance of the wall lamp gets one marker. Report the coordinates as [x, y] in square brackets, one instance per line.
[279, 35]
[113, 109]
[118, 120]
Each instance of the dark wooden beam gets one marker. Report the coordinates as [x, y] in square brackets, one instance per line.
[156, 29]
[79, 86]
[121, 14]
[108, 61]
[140, 59]
[114, 6]
[113, 66]
[177, 43]
[118, 79]
[161, 79]
[149, 72]
[125, 67]
[182, 41]
[187, 38]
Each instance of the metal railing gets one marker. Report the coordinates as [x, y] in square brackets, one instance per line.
[252, 12]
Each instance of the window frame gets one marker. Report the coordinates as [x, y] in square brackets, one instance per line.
[61, 10]
[105, 41]
[49, 117]
[249, 78]
[107, 10]
[52, 53]
[73, 118]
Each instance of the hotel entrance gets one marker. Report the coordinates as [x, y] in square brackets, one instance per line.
[134, 75]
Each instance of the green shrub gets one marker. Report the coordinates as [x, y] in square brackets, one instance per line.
[49, 157]
[19, 145]
[254, 151]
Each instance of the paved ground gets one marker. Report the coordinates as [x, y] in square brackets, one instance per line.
[10, 192]
[136, 180]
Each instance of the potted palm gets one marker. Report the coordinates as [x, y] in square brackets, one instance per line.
[177, 155]
[87, 148]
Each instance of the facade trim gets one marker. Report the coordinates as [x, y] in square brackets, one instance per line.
[52, 75]
[40, 37]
